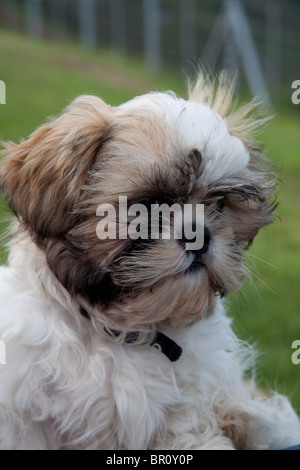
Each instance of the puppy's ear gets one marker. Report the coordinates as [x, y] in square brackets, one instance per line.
[42, 177]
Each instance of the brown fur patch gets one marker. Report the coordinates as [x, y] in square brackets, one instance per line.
[43, 176]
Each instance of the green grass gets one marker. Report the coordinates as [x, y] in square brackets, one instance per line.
[268, 312]
[42, 78]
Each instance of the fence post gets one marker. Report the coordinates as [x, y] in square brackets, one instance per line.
[187, 30]
[87, 22]
[217, 38]
[117, 26]
[34, 16]
[231, 58]
[273, 41]
[245, 44]
[152, 42]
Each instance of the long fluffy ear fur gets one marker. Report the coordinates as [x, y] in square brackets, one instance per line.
[42, 177]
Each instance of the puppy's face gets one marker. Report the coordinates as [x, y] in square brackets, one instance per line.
[154, 149]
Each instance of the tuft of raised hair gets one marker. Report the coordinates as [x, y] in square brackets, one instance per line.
[218, 92]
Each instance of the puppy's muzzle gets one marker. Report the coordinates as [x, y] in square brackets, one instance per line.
[206, 242]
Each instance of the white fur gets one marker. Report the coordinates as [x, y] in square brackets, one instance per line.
[65, 385]
[197, 126]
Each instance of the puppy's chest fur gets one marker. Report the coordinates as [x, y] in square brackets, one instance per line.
[132, 397]
[100, 394]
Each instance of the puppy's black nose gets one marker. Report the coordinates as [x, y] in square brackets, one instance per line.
[206, 241]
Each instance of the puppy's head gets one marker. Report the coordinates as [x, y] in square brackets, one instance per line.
[155, 149]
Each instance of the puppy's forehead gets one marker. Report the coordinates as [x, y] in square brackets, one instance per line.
[195, 126]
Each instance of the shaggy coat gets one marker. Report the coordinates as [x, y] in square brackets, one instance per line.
[72, 379]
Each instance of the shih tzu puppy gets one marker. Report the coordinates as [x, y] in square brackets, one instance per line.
[123, 342]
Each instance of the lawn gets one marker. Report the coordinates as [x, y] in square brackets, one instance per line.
[41, 78]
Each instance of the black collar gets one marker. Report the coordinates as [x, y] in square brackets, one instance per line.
[160, 341]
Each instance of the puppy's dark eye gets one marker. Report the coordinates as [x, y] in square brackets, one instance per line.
[149, 202]
[220, 203]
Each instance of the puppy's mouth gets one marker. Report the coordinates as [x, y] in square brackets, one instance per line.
[199, 257]
[144, 265]
[195, 266]
[153, 261]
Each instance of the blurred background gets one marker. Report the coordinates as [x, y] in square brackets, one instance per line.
[53, 50]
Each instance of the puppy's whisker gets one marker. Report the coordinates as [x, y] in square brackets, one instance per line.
[260, 279]
[250, 255]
